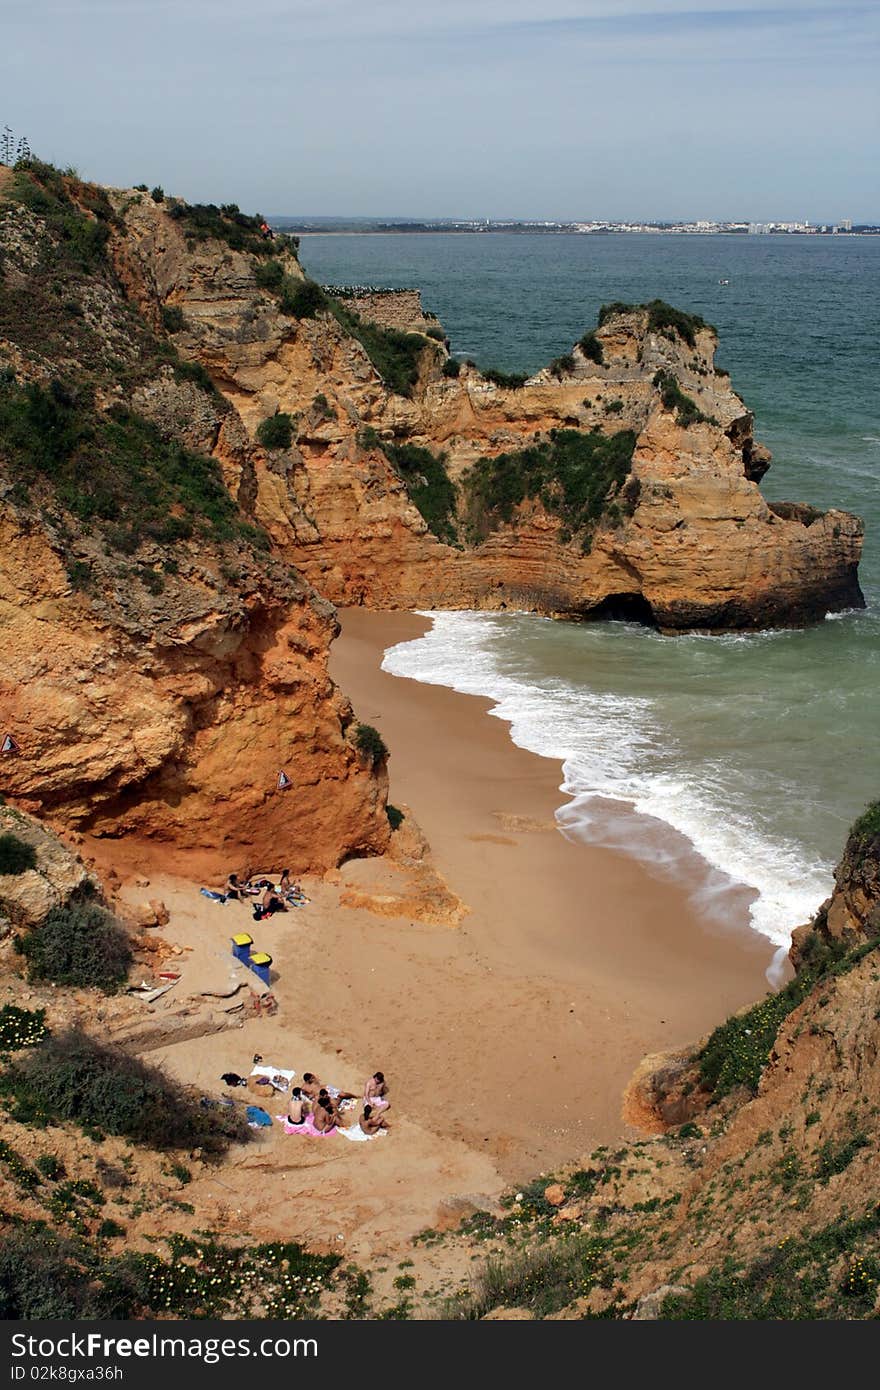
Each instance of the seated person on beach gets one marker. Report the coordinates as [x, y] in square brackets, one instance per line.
[329, 1103]
[376, 1089]
[371, 1123]
[297, 1107]
[323, 1118]
[272, 902]
[234, 887]
[311, 1085]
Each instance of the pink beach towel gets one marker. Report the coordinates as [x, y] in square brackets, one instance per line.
[307, 1127]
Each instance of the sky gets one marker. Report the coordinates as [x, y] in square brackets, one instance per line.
[563, 109]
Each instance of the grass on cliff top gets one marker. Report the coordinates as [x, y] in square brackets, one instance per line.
[576, 476]
[207, 222]
[738, 1050]
[111, 469]
[45, 1274]
[73, 1077]
[428, 484]
[662, 318]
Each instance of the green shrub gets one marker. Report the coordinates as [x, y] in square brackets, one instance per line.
[864, 833]
[738, 1050]
[614, 407]
[395, 817]
[78, 944]
[158, 194]
[270, 275]
[563, 366]
[322, 406]
[276, 431]
[451, 367]
[574, 475]
[21, 1027]
[687, 412]
[508, 381]
[591, 347]
[207, 222]
[370, 744]
[50, 1166]
[110, 1228]
[16, 856]
[302, 299]
[173, 320]
[428, 485]
[72, 1077]
[181, 1173]
[112, 469]
[615, 308]
[395, 355]
[662, 318]
[436, 332]
[195, 372]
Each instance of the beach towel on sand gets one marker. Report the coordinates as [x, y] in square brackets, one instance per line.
[307, 1127]
[284, 1075]
[257, 1118]
[357, 1134]
[215, 897]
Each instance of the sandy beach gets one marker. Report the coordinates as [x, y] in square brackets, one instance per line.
[572, 963]
[508, 1030]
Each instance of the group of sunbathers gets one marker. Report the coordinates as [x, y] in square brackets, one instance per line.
[318, 1107]
[272, 899]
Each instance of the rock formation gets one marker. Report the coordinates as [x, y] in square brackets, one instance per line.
[685, 539]
[159, 668]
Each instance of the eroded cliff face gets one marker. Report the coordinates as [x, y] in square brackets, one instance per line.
[688, 541]
[159, 668]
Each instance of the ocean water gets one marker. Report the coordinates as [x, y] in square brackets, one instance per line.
[749, 756]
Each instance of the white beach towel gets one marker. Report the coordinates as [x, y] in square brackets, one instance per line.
[272, 1072]
[357, 1134]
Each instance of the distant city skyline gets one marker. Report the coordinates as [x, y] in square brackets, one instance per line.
[527, 109]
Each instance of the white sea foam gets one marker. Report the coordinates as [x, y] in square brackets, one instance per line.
[618, 758]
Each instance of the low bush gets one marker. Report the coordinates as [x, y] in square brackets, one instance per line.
[562, 366]
[687, 412]
[78, 944]
[50, 1166]
[205, 221]
[72, 1077]
[451, 367]
[276, 431]
[157, 194]
[21, 1027]
[112, 469]
[436, 332]
[173, 320]
[370, 744]
[428, 485]
[270, 275]
[738, 1050]
[591, 347]
[16, 856]
[302, 299]
[508, 381]
[575, 476]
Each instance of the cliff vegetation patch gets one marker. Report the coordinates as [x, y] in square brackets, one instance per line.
[662, 318]
[738, 1050]
[72, 1077]
[576, 476]
[80, 943]
[112, 469]
[428, 484]
[685, 408]
[207, 222]
[16, 856]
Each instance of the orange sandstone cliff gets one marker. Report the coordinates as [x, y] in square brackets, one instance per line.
[683, 537]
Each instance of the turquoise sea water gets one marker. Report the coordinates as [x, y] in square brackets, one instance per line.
[757, 752]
